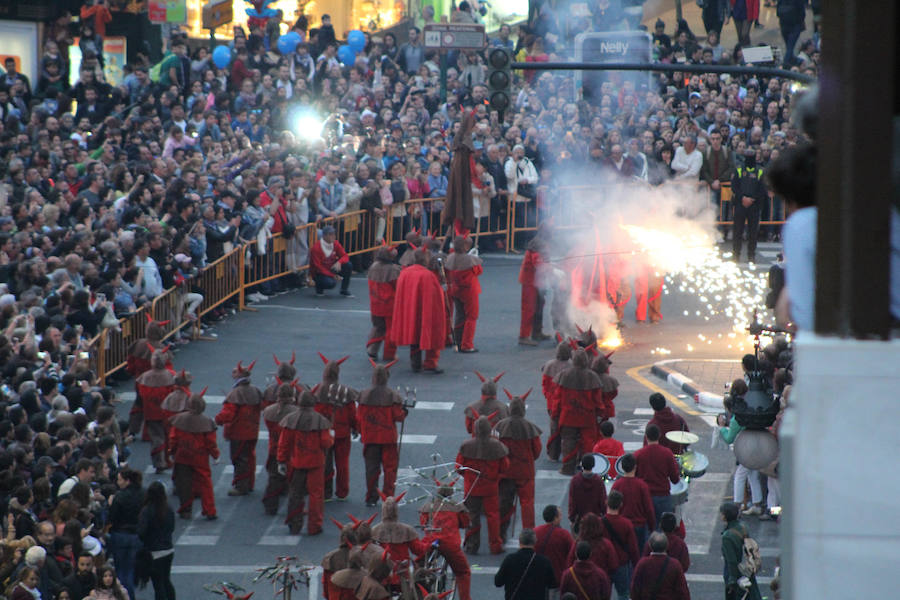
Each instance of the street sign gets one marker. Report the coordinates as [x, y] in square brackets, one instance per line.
[455, 36]
[217, 13]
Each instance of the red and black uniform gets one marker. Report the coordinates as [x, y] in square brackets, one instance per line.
[337, 403]
[648, 284]
[523, 440]
[240, 417]
[549, 371]
[578, 403]
[380, 409]
[272, 416]
[153, 387]
[192, 441]
[302, 444]
[447, 517]
[481, 461]
[532, 322]
[463, 289]
[603, 554]
[419, 319]
[382, 276]
[399, 539]
[667, 420]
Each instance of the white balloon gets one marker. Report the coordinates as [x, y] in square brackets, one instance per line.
[756, 448]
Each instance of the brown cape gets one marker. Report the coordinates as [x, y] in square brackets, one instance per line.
[191, 421]
[370, 589]
[383, 272]
[486, 407]
[391, 531]
[459, 185]
[379, 395]
[244, 393]
[517, 428]
[460, 262]
[575, 378]
[177, 401]
[305, 418]
[156, 378]
[438, 504]
[278, 411]
[554, 367]
[483, 446]
[337, 559]
[348, 579]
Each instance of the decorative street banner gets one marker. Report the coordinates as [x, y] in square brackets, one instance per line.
[612, 47]
[113, 58]
[167, 11]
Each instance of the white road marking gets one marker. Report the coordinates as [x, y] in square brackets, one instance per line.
[316, 309]
[550, 474]
[197, 540]
[643, 411]
[434, 405]
[632, 446]
[412, 438]
[210, 399]
[279, 540]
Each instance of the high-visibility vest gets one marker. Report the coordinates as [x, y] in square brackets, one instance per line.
[757, 171]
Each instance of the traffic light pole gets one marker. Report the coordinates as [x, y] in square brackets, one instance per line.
[664, 68]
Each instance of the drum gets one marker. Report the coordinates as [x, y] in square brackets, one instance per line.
[693, 464]
[619, 468]
[679, 492]
[685, 438]
[601, 465]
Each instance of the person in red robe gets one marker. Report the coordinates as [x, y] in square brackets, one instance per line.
[637, 506]
[380, 409]
[382, 276]
[587, 492]
[657, 466]
[153, 387]
[583, 578]
[327, 260]
[442, 519]
[532, 322]
[553, 541]
[618, 290]
[488, 405]
[609, 386]
[192, 441]
[344, 583]
[578, 401]
[463, 270]
[481, 460]
[549, 371]
[285, 404]
[400, 540]
[419, 319]
[304, 438]
[337, 403]
[648, 289]
[285, 371]
[240, 416]
[523, 440]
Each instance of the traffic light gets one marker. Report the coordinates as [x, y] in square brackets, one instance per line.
[499, 78]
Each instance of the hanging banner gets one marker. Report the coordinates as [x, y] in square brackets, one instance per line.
[167, 11]
[113, 58]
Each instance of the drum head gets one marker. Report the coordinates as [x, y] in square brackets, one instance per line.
[678, 488]
[694, 464]
[601, 465]
[619, 468]
[682, 437]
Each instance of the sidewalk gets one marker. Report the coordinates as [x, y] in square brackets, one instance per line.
[703, 380]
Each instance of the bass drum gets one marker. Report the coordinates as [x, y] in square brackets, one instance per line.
[693, 464]
[679, 492]
[601, 465]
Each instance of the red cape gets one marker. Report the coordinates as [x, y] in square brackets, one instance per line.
[419, 317]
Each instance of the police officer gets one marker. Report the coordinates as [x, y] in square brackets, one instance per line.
[748, 193]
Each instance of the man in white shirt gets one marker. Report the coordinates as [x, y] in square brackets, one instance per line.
[688, 160]
[151, 282]
[285, 80]
[521, 183]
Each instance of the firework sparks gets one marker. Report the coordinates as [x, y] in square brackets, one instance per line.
[611, 341]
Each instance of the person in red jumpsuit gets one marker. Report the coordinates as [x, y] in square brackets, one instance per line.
[153, 387]
[488, 405]
[304, 439]
[609, 387]
[523, 439]
[382, 276]
[399, 539]
[327, 260]
[481, 461]
[285, 371]
[342, 585]
[463, 289]
[549, 371]
[419, 319]
[648, 289]
[618, 290]
[192, 441]
[442, 519]
[337, 403]
[532, 323]
[285, 404]
[578, 398]
[240, 416]
[138, 361]
[380, 409]
[177, 400]
[336, 560]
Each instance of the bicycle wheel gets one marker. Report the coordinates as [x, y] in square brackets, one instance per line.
[446, 580]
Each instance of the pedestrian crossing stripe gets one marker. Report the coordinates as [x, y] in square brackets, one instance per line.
[643, 411]
[213, 399]
[412, 438]
[197, 540]
[632, 446]
[279, 540]
[434, 405]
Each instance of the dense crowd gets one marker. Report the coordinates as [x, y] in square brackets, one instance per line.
[107, 203]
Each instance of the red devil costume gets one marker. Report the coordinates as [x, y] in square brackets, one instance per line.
[578, 400]
[137, 362]
[648, 286]
[153, 387]
[374, 586]
[177, 400]
[532, 323]
[337, 560]
[284, 371]
[343, 583]
[609, 387]
[617, 287]
[549, 371]
[337, 403]
[304, 439]
[380, 409]
[192, 440]
[285, 404]
[419, 319]
[447, 517]
[413, 243]
[523, 439]
[481, 461]
[488, 406]
[382, 276]
[401, 541]
[240, 416]
[462, 271]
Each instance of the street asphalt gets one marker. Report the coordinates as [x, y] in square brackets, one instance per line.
[244, 539]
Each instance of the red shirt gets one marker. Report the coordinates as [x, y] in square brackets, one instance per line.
[656, 465]
[241, 421]
[484, 484]
[612, 449]
[522, 454]
[555, 543]
[193, 449]
[637, 507]
[304, 449]
[624, 541]
[376, 423]
[319, 264]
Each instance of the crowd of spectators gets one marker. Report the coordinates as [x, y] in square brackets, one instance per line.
[111, 195]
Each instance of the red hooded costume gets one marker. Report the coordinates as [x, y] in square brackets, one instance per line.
[419, 319]
[192, 440]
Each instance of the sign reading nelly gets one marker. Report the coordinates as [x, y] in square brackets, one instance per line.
[612, 47]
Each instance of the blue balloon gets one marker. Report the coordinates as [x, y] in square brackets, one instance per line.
[221, 56]
[356, 39]
[295, 37]
[346, 55]
[287, 44]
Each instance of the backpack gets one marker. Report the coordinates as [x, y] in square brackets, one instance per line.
[750, 558]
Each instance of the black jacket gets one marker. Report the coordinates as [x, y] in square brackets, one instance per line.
[748, 182]
[125, 508]
[79, 586]
[524, 581]
[154, 531]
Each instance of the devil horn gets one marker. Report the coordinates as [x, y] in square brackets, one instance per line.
[251, 365]
[579, 329]
[443, 595]
[525, 395]
[203, 391]
[384, 555]
[152, 349]
[610, 354]
[239, 367]
[400, 497]
[355, 521]
[337, 523]
[475, 413]
[341, 360]
[228, 594]
[481, 377]
[293, 356]
[508, 395]
[497, 377]
[364, 546]
[164, 323]
[493, 414]
[422, 589]
[391, 364]
[591, 328]
[372, 361]
[166, 348]
[183, 374]
[322, 356]
[437, 482]
[315, 388]
[277, 379]
[149, 318]
[370, 519]
[453, 483]
[275, 358]
[383, 495]
[559, 337]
